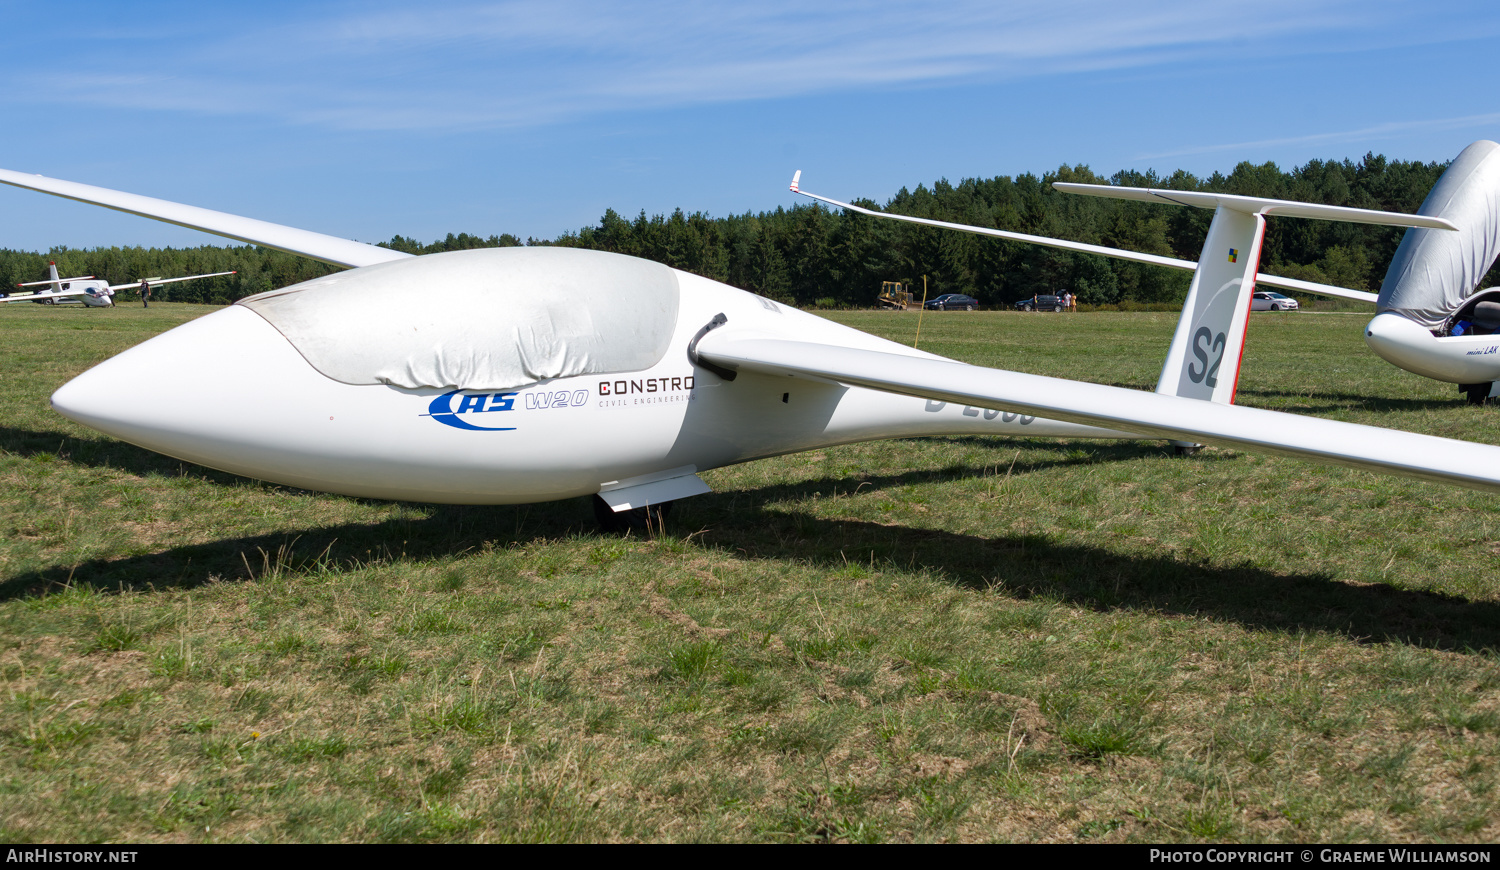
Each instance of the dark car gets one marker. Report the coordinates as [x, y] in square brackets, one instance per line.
[1041, 302]
[952, 302]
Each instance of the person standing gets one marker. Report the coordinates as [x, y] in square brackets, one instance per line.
[145, 294]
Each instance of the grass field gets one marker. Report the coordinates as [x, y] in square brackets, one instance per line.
[931, 639]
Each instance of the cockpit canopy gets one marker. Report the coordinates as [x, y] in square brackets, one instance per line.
[486, 319]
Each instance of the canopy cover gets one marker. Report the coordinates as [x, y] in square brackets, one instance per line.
[486, 319]
[1434, 271]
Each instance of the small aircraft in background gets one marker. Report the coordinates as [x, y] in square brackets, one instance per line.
[565, 372]
[1432, 318]
[88, 290]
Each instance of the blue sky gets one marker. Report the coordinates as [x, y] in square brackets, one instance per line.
[369, 119]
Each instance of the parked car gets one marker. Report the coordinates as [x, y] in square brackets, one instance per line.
[952, 302]
[1041, 302]
[1265, 300]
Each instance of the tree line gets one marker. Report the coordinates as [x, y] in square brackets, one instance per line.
[809, 254]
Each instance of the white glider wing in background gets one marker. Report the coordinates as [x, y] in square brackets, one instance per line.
[1045, 241]
[155, 282]
[328, 249]
[1136, 256]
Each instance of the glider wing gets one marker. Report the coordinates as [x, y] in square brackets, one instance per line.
[1313, 287]
[1152, 414]
[328, 249]
[135, 285]
[1272, 207]
[1117, 253]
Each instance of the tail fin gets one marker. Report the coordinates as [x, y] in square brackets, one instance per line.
[1204, 359]
[52, 275]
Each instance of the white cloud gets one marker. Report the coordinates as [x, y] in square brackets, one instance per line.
[1389, 130]
[484, 65]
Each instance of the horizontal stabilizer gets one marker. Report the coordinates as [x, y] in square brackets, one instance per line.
[1151, 414]
[52, 281]
[64, 296]
[328, 249]
[1258, 205]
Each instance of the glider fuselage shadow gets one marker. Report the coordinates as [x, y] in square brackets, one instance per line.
[742, 524]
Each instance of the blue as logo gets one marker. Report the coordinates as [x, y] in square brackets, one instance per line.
[442, 411]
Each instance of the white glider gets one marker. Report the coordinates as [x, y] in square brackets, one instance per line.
[89, 290]
[559, 372]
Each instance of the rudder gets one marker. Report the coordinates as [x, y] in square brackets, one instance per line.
[1204, 359]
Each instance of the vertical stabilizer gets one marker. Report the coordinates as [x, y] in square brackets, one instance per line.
[1204, 360]
[52, 276]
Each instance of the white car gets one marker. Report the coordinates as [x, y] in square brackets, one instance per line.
[1264, 300]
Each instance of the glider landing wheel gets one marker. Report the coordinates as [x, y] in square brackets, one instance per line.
[1477, 394]
[1186, 449]
[646, 520]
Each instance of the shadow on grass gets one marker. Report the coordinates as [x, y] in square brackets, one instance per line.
[1095, 578]
[1326, 401]
[103, 452]
[449, 530]
[1078, 451]
[743, 524]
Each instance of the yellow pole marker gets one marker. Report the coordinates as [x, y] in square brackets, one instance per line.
[919, 313]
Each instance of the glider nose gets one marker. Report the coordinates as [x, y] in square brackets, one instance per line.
[1391, 336]
[1403, 343]
[1408, 345]
[172, 392]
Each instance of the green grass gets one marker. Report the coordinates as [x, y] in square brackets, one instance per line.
[930, 639]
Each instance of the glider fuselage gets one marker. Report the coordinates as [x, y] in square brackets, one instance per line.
[231, 392]
[1456, 359]
[94, 294]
